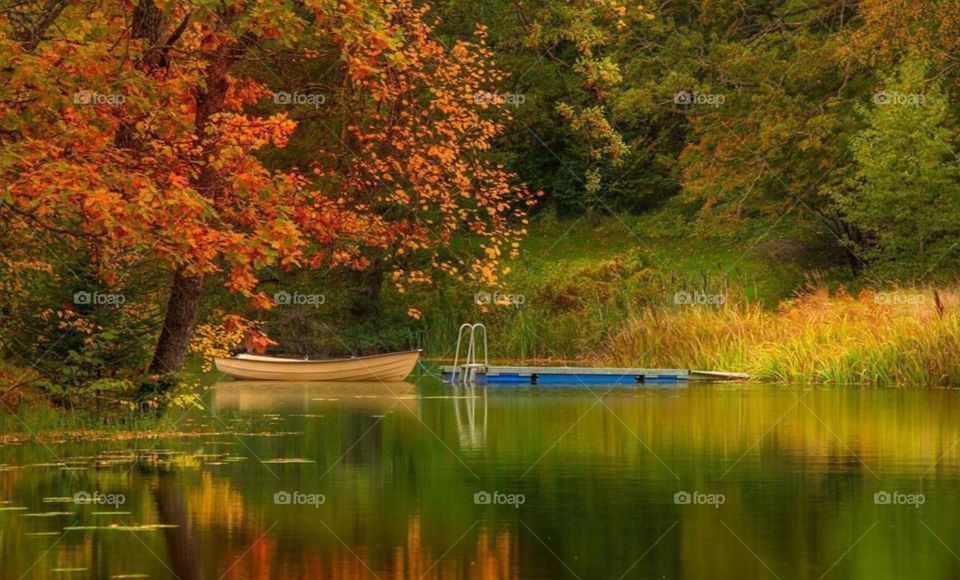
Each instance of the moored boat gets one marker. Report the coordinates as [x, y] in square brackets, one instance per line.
[394, 366]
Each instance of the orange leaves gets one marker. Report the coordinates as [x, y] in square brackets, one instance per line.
[243, 92]
[169, 161]
[216, 339]
[177, 180]
[250, 132]
[234, 326]
[424, 159]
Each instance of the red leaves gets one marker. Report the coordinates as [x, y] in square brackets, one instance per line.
[257, 341]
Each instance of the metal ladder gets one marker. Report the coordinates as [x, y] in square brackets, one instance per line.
[467, 372]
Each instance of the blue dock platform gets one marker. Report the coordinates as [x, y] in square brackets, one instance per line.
[524, 375]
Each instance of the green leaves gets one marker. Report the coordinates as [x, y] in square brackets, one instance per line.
[904, 194]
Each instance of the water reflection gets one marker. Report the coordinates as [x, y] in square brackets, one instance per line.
[472, 433]
[399, 469]
[253, 396]
[183, 549]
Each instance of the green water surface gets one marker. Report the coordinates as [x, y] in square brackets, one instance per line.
[393, 481]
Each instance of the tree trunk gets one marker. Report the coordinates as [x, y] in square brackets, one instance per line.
[856, 241]
[366, 299]
[30, 28]
[185, 295]
[187, 291]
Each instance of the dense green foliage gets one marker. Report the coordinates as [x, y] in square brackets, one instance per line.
[835, 113]
[734, 147]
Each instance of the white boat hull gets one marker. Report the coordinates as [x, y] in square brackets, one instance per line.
[394, 366]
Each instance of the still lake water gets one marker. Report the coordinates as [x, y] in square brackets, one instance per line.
[705, 481]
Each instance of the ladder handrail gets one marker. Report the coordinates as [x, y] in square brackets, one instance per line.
[468, 372]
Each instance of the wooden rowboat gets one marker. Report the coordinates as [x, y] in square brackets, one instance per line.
[394, 366]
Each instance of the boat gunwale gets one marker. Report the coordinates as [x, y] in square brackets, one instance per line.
[276, 360]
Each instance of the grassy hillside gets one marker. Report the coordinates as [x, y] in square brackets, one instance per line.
[768, 264]
[578, 280]
[641, 292]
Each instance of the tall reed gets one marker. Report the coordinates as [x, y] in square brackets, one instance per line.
[903, 336]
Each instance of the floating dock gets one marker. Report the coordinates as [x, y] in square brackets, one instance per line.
[522, 375]
[483, 373]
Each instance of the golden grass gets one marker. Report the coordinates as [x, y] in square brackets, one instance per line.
[901, 337]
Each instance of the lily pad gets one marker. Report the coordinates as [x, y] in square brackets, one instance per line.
[121, 527]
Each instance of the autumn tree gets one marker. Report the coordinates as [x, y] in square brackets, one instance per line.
[140, 131]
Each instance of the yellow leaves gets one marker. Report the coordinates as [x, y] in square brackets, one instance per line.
[414, 313]
[217, 339]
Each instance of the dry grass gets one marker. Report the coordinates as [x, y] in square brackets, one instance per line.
[902, 337]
